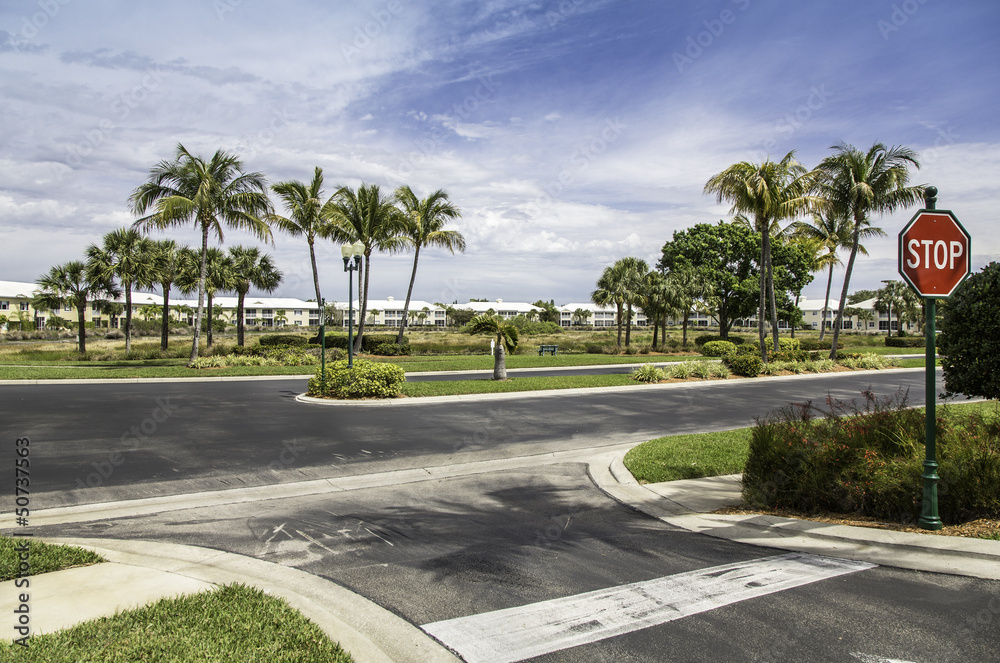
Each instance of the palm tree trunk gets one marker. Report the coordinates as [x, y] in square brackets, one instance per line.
[770, 292]
[240, 329]
[312, 257]
[618, 308]
[500, 361]
[794, 325]
[409, 291]
[684, 329]
[128, 318]
[838, 321]
[208, 319]
[761, 310]
[165, 326]
[363, 304]
[826, 304]
[656, 327]
[628, 325]
[81, 311]
[201, 292]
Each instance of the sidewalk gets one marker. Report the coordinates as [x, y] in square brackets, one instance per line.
[689, 505]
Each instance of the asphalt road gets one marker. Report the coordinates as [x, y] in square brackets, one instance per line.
[521, 530]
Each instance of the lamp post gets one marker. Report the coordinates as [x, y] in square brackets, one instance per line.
[352, 261]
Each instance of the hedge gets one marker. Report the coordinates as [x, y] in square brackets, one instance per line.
[904, 341]
[368, 379]
[283, 339]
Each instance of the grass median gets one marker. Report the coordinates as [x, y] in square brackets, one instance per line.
[42, 557]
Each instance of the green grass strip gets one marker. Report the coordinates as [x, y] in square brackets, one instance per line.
[689, 456]
[231, 623]
[488, 386]
[42, 557]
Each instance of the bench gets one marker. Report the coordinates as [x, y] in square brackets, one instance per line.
[542, 349]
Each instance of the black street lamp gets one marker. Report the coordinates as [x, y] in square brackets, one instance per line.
[352, 262]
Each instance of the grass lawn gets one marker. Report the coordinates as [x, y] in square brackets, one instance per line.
[488, 386]
[231, 623]
[44, 557]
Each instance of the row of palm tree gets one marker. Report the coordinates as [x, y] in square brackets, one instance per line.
[126, 260]
[844, 193]
[218, 192]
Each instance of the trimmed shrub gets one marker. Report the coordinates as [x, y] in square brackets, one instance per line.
[747, 365]
[332, 340]
[718, 348]
[811, 344]
[391, 350]
[787, 344]
[284, 339]
[648, 373]
[706, 338]
[904, 341]
[368, 379]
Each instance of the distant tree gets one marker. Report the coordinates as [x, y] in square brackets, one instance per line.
[280, 317]
[859, 185]
[250, 269]
[504, 333]
[211, 193]
[621, 285]
[688, 285]
[74, 285]
[125, 256]
[580, 315]
[424, 225]
[460, 316]
[548, 313]
[167, 263]
[861, 295]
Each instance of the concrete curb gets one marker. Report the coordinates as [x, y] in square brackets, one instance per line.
[977, 558]
[369, 632]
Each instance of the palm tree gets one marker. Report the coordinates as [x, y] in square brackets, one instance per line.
[834, 233]
[771, 192]
[371, 218]
[74, 284]
[167, 262]
[581, 315]
[658, 299]
[219, 278]
[280, 317]
[424, 226]
[305, 215]
[611, 291]
[127, 257]
[209, 193]
[250, 269]
[506, 337]
[860, 184]
[689, 286]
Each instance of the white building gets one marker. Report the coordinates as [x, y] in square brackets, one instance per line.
[506, 310]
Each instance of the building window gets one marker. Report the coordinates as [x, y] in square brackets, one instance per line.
[4, 306]
[24, 306]
[298, 311]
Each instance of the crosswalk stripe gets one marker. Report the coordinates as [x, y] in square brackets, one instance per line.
[515, 634]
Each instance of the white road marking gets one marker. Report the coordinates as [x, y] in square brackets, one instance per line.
[871, 658]
[312, 540]
[515, 634]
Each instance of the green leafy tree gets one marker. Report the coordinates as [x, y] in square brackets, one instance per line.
[424, 225]
[723, 254]
[770, 192]
[127, 257]
[211, 193]
[860, 185]
[970, 336]
[369, 217]
[306, 216]
[504, 333]
[251, 269]
[74, 285]
[548, 313]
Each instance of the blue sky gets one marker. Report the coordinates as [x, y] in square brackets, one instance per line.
[571, 133]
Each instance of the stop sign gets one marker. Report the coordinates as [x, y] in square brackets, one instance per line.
[934, 253]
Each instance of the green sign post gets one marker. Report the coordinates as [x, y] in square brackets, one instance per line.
[935, 256]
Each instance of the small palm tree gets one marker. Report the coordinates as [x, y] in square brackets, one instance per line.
[505, 334]
[251, 269]
[424, 226]
[305, 215]
[860, 184]
[167, 262]
[211, 193]
[369, 217]
[621, 284]
[127, 257]
[689, 286]
[280, 317]
[73, 284]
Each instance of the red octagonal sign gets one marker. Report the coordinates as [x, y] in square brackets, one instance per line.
[935, 253]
